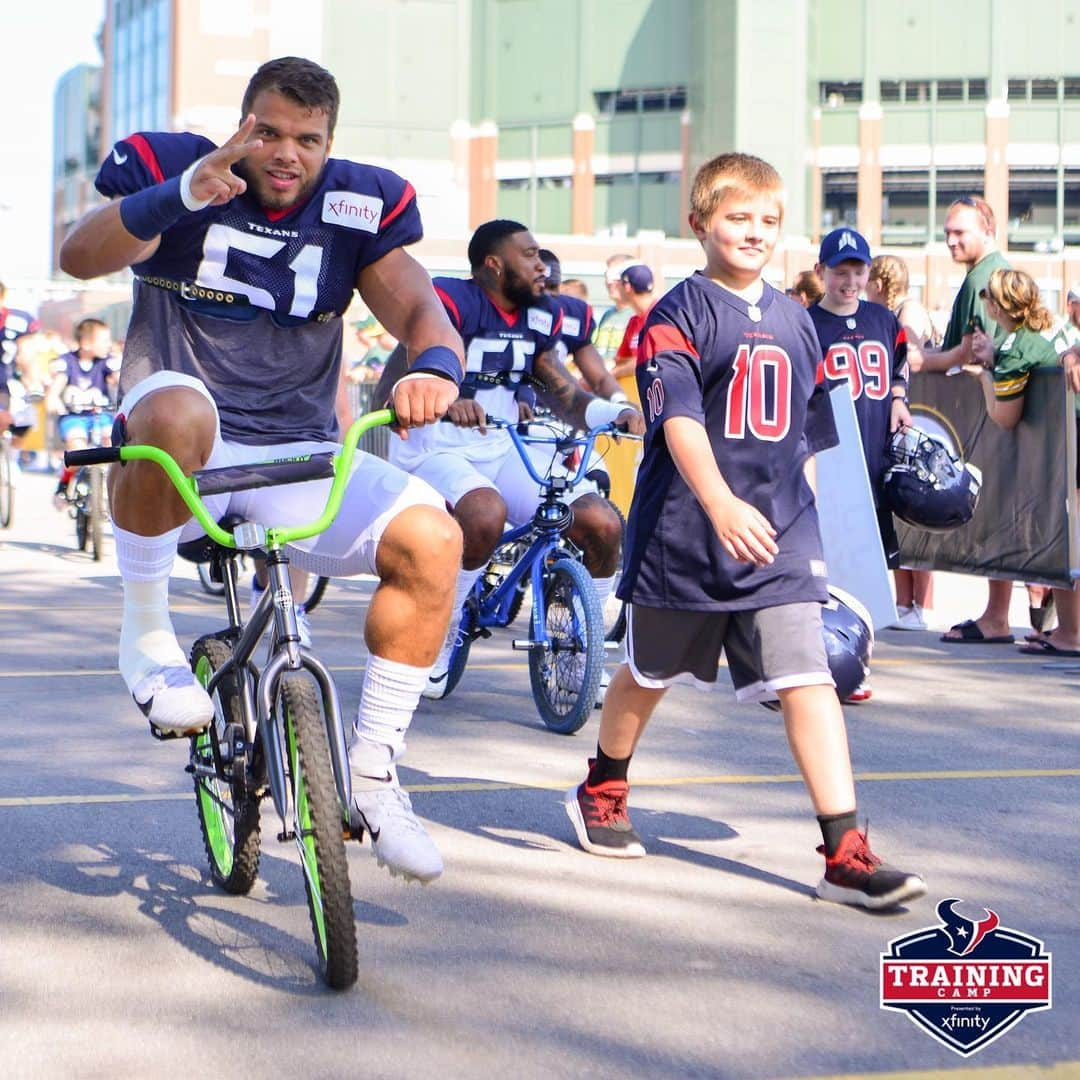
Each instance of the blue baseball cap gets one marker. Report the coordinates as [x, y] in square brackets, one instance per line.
[843, 244]
[638, 277]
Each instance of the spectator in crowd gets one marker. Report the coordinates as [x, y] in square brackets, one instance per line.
[1067, 333]
[377, 344]
[1013, 303]
[612, 325]
[863, 346]
[576, 288]
[888, 286]
[807, 288]
[637, 282]
[970, 230]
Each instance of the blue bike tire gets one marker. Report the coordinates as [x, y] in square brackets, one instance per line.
[566, 709]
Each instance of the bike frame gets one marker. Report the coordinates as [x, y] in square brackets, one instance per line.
[550, 522]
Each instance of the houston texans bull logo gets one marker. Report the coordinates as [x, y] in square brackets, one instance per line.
[967, 981]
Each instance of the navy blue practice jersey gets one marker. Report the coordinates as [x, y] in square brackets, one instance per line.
[578, 324]
[868, 351]
[500, 346]
[748, 374]
[271, 363]
[14, 324]
[87, 385]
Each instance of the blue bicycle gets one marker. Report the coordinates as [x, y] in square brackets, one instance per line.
[566, 641]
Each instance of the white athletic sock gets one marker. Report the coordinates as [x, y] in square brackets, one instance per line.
[603, 586]
[388, 700]
[147, 637]
[466, 579]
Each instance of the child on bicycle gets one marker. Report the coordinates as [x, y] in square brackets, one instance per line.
[723, 550]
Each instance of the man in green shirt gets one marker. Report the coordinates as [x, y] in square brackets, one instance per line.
[970, 233]
[612, 326]
[970, 236]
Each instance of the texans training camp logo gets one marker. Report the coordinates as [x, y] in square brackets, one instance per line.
[967, 981]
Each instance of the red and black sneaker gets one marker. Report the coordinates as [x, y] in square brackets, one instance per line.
[601, 820]
[855, 875]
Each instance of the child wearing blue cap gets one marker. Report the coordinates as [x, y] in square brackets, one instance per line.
[864, 345]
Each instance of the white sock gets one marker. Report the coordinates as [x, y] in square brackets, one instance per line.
[147, 637]
[603, 586]
[388, 700]
[466, 579]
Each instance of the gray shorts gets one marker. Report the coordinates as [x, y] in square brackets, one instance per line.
[775, 648]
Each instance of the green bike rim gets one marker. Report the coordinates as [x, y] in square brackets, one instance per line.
[213, 813]
[305, 836]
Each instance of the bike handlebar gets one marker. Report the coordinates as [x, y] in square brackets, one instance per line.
[243, 477]
[560, 442]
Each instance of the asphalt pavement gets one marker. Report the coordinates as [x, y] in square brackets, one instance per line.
[709, 958]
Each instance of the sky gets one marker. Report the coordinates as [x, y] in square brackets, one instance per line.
[43, 39]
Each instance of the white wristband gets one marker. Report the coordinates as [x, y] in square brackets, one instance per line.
[186, 196]
[599, 412]
[619, 397]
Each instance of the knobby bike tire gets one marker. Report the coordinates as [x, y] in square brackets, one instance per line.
[214, 588]
[565, 679]
[318, 590]
[317, 822]
[7, 491]
[617, 630]
[81, 488]
[460, 656]
[97, 513]
[228, 815]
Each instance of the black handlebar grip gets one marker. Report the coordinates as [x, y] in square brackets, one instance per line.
[264, 474]
[93, 455]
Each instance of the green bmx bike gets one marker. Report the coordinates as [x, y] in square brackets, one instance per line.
[277, 729]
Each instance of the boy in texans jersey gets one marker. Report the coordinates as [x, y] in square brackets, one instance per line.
[723, 551]
[510, 327]
[245, 257]
[864, 345]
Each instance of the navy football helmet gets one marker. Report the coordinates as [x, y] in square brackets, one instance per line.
[848, 631]
[926, 486]
[849, 640]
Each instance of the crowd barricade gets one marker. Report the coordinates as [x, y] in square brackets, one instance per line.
[1024, 524]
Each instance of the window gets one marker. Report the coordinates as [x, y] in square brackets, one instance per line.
[651, 99]
[834, 94]
[917, 90]
[1044, 89]
[1018, 90]
[890, 90]
[950, 89]
[976, 89]
[1072, 88]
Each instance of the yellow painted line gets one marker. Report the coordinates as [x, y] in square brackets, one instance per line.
[561, 785]
[1058, 1070]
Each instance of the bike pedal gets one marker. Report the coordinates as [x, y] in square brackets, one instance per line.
[167, 736]
[286, 836]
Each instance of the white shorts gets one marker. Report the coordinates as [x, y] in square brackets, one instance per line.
[453, 472]
[376, 493]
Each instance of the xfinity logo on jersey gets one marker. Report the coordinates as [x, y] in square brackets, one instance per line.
[540, 320]
[967, 981]
[354, 211]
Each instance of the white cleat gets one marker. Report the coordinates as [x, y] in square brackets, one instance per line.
[398, 841]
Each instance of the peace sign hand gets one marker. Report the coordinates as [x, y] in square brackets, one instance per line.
[213, 182]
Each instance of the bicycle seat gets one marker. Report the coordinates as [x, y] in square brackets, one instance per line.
[202, 549]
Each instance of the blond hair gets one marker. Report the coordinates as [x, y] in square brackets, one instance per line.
[732, 174]
[890, 272]
[1017, 294]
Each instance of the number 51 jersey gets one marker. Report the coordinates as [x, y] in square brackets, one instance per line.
[270, 358]
[748, 374]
